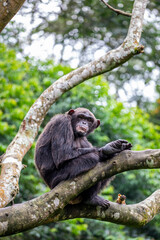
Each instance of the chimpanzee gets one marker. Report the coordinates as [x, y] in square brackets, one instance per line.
[63, 151]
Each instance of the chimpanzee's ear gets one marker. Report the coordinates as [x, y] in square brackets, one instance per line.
[98, 123]
[71, 111]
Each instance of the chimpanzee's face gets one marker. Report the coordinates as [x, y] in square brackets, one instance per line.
[83, 122]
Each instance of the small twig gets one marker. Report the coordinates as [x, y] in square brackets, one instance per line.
[117, 10]
[24, 166]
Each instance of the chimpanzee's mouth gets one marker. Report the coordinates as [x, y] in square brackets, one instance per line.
[81, 129]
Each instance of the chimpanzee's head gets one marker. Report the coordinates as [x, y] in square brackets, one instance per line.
[83, 121]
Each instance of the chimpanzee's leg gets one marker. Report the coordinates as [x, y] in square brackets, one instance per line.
[90, 196]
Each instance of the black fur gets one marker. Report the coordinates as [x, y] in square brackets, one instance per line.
[63, 152]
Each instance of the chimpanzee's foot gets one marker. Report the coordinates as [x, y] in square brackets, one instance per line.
[96, 200]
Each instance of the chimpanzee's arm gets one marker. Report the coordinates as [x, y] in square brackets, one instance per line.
[67, 154]
[72, 168]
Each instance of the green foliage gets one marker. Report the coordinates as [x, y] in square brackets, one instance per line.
[103, 30]
[21, 82]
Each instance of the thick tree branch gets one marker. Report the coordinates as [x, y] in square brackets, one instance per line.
[11, 164]
[135, 27]
[47, 208]
[130, 215]
[7, 11]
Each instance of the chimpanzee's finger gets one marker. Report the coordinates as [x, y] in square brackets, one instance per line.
[126, 146]
[120, 141]
[129, 146]
[123, 140]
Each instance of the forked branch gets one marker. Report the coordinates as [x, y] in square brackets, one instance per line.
[50, 206]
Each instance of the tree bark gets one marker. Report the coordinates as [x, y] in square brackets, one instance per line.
[136, 215]
[8, 8]
[50, 206]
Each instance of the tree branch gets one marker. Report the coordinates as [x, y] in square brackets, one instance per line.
[136, 23]
[11, 163]
[136, 215]
[49, 207]
[7, 11]
[117, 10]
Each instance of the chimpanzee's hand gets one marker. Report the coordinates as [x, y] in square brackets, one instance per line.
[116, 147]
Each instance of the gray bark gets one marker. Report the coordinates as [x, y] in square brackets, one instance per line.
[50, 207]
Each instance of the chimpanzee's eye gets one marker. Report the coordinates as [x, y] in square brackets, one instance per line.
[81, 116]
[90, 119]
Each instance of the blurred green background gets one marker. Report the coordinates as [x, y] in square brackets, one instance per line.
[119, 99]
